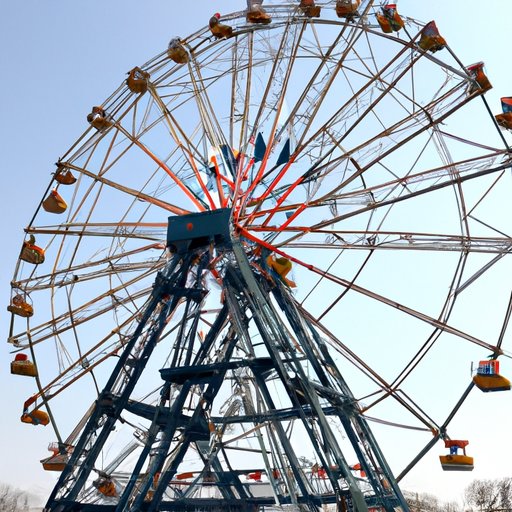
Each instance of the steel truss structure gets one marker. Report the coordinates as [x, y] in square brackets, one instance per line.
[285, 227]
[287, 348]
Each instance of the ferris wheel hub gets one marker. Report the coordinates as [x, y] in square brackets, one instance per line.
[198, 229]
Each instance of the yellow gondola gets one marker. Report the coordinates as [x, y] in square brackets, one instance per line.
[282, 267]
[22, 365]
[19, 306]
[488, 377]
[454, 461]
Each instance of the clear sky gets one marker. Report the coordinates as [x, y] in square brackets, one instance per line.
[58, 58]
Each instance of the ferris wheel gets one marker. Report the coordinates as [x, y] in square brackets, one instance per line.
[249, 274]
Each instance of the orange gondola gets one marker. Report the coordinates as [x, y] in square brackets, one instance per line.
[218, 29]
[19, 306]
[476, 72]
[389, 19]
[177, 52]
[59, 458]
[347, 8]
[55, 203]
[31, 253]
[35, 417]
[64, 176]
[99, 119]
[256, 13]
[430, 39]
[309, 8]
[505, 119]
[358, 467]
[185, 476]
[106, 486]
[137, 80]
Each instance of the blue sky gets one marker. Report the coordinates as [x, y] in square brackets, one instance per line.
[59, 58]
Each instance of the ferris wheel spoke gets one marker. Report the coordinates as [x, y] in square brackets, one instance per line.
[83, 314]
[190, 151]
[375, 240]
[338, 117]
[343, 349]
[321, 171]
[314, 91]
[239, 91]
[267, 106]
[137, 194]
[205, 107]
[393, 143]
[87, 148]
[426, 423]
[151, 231]
[95, 356]
[408, 196]
[86, 362]
[346, 47]
[111, 163]
[408, 179]
[61, 276]
[385, 389]
[74, 372]
[385, 300]
[184, 188]
[311, 116]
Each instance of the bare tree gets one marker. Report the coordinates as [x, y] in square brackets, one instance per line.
[13, 500]
[490, 495]
[423, 502]
[451, 506]
[506, 493]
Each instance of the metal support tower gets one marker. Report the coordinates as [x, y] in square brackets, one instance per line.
[258, 342]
